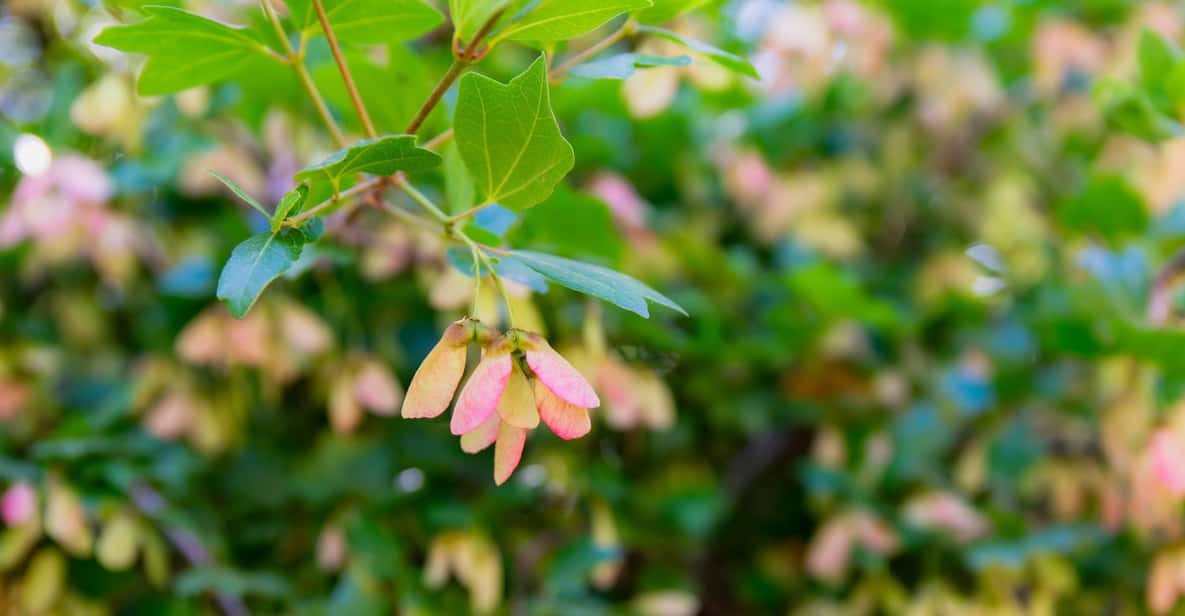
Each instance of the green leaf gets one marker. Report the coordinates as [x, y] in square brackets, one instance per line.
[1158, 59]
[1131, 110]
[558, 20]
[291, 203]
[666, 10]
[571, 224]
[469, 15]
[368, 22]
[1108, 206]
[184, 49]
[730, 61]
[380, 156]
[509, 138]
[259, 260]
[458, 186]
[624, 65]
[613, 287]
[238, 190]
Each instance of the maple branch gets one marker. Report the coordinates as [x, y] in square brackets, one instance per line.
[334, 47]
[462, 59]
[296, 60]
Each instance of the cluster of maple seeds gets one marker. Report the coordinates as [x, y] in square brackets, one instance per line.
[519, 381]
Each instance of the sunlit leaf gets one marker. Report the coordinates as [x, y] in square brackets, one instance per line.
[557, 20]
[369, 22]
[730, 61]
[603, 283]
[509, 138]
[380, 156]
[184, 49]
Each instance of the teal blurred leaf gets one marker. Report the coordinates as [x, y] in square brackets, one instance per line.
[730, 61]
[259, 260]
[613, 287]
[622, 66]
[380, 156]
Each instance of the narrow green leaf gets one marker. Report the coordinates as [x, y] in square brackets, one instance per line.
[624, 65]
[184, 49]
[380, 156]
[291, 203]
[368, 22]
[256, 262]
[558, 20]
[603, 283]
[509, 138]
[730, 61]
[1158, 58]
[666, 10]
[238, 190]
[469, 15]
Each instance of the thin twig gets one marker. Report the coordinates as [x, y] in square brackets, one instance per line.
[461, 61]
[353, 191]
[355, 97]
[469, 212]
[442, 86]
[296, 59]
[626, 29]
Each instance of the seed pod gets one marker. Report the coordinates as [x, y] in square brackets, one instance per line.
[118, 543]
[481, 437]
[479, 398]
[44, 581]
[436, 380]
[376, 388]
[565, 419]
[508, 451]
[557, 374]
[19, 504]
[65, 520]
[517, 406]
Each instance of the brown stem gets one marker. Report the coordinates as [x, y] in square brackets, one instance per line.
[355, 97]
[442, 86]
[1160, 299]
[461, 61]
[306, 81]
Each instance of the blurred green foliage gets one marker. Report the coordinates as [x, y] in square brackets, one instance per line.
[933, 363]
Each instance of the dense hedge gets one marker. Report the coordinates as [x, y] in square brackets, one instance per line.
[933, 361]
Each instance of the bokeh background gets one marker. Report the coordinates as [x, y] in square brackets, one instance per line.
[933, 364]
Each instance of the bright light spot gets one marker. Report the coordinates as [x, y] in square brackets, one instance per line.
[987, 256]
[986, 285]
[410, 480]
[32, 155]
